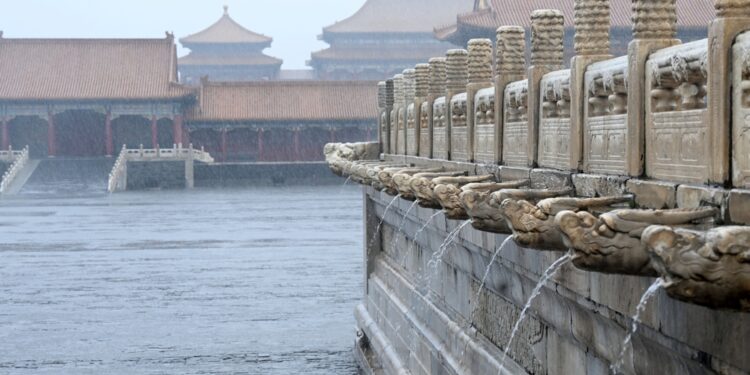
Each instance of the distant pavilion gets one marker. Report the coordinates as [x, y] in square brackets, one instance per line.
[226, 51]
[384, 37]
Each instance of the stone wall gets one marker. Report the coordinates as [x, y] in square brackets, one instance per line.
[156, 175]
[576, 326]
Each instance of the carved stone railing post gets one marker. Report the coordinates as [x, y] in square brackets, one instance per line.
[457, 77]
[439, 125]
[510, 67]
[389, 102]
[547, 37]
[592, 23]
[437, 128]
[382, 124]
[480, 77]
[398, 100]
[422, 86]
[654, 27]
[733, 17]
[410, 147]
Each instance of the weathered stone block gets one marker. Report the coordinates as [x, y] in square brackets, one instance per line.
[591, 185]
[483, 169]
[653, 194]
[595, 365]
[514, 173]
[549, 179]
[697, 196]
[739, 206]
[563, 356]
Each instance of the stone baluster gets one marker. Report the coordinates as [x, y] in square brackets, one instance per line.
[409, 96]
[510, 67]
[422, 80]
[409, 86]
[547, 37]
[592, 24]
[436, 90]
[422, 88]
[456, 79]
[398, 95]
[732, 18]
[480, 77]
[437, 77]
[382, 124]
[654, 27]
[390, 102]
[381, 95]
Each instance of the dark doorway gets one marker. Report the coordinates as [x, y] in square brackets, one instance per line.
[29, 131]
[80, 133]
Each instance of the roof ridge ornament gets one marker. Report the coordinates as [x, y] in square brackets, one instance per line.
[226, 10]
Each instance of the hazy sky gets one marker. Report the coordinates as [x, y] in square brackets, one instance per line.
[294, 24]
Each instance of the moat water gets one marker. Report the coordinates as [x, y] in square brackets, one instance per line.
[252, 281]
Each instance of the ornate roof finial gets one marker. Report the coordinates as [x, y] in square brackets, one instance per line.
[226, 10]
[481, 5]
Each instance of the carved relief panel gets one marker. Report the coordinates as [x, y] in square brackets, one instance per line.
[484, 126]
[439, 130]
[605, 117]
[459, 129]
[394, 132]
[401, 123]
[515, 128]
[677, 146]
[554, 126]
[412, 131]
[741, 109]
[383, 126]
[425, 137]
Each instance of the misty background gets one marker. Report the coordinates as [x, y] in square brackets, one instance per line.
[293, 24]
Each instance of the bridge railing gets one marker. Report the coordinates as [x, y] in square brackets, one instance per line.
[176, 152]
[10, 154]
[20, 160]
[118, 176]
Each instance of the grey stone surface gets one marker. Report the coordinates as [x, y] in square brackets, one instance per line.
[739, 206]
[242, 174]
[590, 185]
[514, 173]
[549, 179]
[156, 174]
[575, 327]
[653, 194]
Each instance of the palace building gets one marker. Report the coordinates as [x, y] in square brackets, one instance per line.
[384, 37]
[281, 120]
[89, 97]
[488, 15]
[226, 51]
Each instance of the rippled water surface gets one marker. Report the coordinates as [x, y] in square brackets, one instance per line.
[256, 281]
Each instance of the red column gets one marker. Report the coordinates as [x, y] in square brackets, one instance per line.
[297, 156]
[260, 145]
[224, 144]
[51, 136]
[178, 129]
[109, 142]
[6, 134]
[154, 132]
